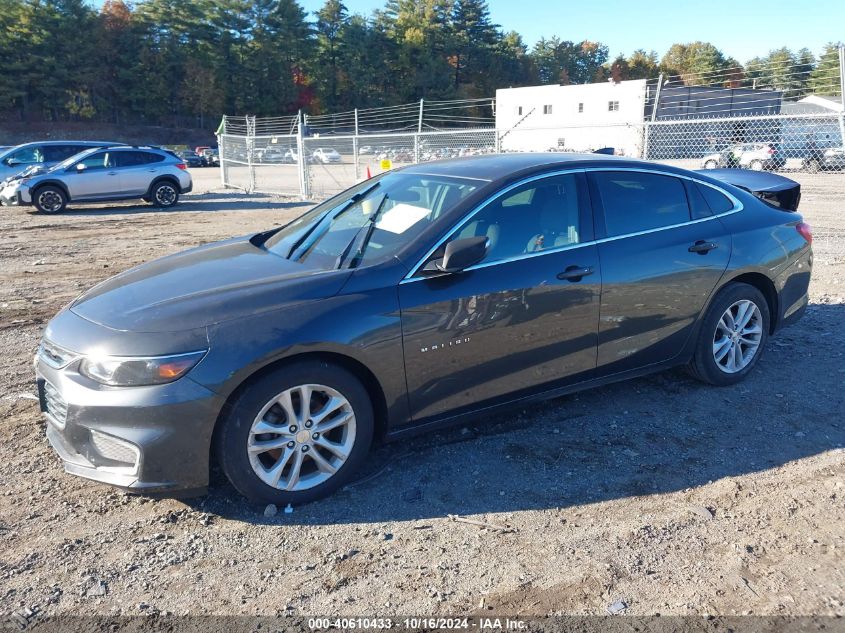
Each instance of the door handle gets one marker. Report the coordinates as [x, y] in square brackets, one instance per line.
[702, 248]
[112, 173]
[152, 171]
[575, 273]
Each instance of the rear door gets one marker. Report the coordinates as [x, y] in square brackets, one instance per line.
[662, 253]
[520, 319]
[137, 170]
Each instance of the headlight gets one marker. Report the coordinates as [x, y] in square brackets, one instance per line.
[128, 371]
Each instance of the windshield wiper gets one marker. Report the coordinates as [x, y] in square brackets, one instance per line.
[349, 204]
[359, 251]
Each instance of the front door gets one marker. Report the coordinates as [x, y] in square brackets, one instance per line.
[97, 179]
[519, 320]
[663, 254]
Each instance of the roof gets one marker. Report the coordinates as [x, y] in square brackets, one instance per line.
[496, 166]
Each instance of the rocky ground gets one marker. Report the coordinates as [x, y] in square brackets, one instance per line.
[662, 493]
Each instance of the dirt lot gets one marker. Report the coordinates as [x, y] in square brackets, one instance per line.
[675, 497]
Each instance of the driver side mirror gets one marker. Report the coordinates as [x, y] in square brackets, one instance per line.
[80, 167]
[11, 162]
[459, 254]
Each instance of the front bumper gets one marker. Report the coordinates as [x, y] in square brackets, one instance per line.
[11, 196]
[144, 439]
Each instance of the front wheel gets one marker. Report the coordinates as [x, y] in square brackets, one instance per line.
[296, 434]
[164, 194]
[733, 334]
[710, 164]
[756, 165]
[813, 166]
[49, 199]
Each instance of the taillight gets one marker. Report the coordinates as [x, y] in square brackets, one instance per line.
[181, 166]
[806, 231]
[772, 150]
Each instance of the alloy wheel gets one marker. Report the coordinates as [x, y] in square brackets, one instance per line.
[737, 337]
[50, 201]
[165, 195]
[301, 437]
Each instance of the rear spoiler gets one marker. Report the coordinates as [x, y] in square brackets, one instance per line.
[772, 189]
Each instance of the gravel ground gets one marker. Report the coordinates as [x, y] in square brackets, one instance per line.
[674, 497]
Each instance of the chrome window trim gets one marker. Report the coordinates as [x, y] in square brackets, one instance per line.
[738, 206]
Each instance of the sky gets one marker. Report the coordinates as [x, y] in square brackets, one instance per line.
[740, 28]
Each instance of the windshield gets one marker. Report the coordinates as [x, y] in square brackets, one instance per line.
[369, 222]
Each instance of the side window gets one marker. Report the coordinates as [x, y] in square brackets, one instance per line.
[638, 201]
[26, 156]
[697, 204]
[97, 161]
[538, 216]
[57, 153]
[717, 201]
[132, 159]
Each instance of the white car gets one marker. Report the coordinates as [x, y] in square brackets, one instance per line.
[326, 155]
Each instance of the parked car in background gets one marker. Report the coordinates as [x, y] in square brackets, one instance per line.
[43, 154]
[756, 156]
[832, 159]
[365, 149]
[190, 158]
[326, 155]
[415, 299]
[101, 174]
[210, 157]
[273, 155]
[198, 150]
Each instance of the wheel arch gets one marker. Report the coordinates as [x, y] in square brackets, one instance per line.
[353, 366]
[165, 178]
[55, 183]
[766, 286]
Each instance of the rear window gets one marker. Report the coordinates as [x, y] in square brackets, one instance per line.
[639, 201]
[718, 202]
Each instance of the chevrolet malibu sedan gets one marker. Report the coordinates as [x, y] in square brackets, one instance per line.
[411, 301]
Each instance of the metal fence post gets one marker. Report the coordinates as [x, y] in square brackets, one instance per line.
[250, 149]
[301, 163]
[355, 148]
[221, 133]
[419, 131]
[842, 95]
[646, 126]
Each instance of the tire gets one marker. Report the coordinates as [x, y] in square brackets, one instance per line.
[756, 165]
[813, 166]
[164, 194]
[710, 164]
[704, 364]
[259, 406]
[49, 199]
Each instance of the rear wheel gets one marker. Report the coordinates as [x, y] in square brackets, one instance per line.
[49, 199]
[813, 166]
[733, 334]
[164, 194]
[710, 164]
[756, 165]
[297, 434]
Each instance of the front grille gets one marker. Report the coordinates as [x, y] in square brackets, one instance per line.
[54, 405]
[55, 356]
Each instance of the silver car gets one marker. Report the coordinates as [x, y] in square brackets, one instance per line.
[44, 154]
[101, 174]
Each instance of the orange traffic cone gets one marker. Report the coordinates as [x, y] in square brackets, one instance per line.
[369, 175]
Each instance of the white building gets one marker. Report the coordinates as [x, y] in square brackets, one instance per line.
[573, 118]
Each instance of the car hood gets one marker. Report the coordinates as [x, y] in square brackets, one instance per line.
[203, 286]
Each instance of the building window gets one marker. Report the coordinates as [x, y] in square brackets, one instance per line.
[613, 106]
[519, 111]
[580, 108]
[547, 109]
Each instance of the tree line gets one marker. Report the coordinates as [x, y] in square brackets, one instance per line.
[186, 62]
